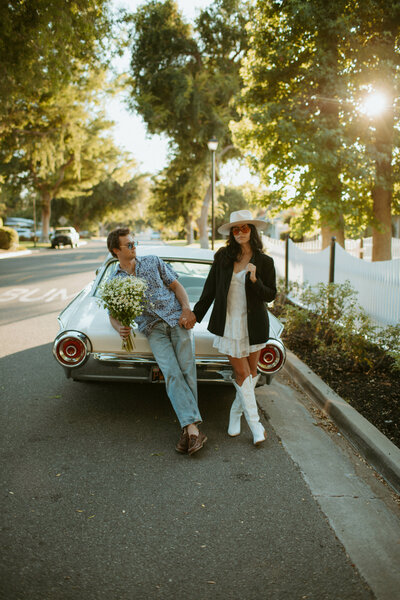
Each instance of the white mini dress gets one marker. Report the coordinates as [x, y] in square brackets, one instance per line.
[235, 341]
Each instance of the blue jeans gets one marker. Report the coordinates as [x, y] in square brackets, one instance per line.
[173, 349]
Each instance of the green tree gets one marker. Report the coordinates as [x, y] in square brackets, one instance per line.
[375, 68]
[44, 45]
[100, 202]
[300, 125]
[182, 82]
[291, 108]
[174, 194]
[66, 149]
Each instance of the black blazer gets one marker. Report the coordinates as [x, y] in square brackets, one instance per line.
[258, 293]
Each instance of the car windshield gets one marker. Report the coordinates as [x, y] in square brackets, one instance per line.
[65, 230]
[192, 275]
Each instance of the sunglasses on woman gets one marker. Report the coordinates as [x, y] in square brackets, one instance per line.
[130, 245]
[241, 228]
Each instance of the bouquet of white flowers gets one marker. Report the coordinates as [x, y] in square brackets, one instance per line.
[123, 297]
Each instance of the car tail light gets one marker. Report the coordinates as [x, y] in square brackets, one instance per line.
[272, 357]
[71, 348]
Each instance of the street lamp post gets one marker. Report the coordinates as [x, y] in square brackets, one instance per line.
[212, 146]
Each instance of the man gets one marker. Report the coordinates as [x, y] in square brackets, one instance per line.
[166, 321]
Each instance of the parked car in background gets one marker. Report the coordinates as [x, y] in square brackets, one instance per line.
[64, 236]
[25, 234]
[24, 227]
[89, 349]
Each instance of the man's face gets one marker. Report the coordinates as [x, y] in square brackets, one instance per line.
[127, 248]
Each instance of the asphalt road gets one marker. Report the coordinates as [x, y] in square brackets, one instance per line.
[96, 503]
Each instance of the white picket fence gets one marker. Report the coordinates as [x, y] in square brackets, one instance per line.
[377, 283]
[361, 248]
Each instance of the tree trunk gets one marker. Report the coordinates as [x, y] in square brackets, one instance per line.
[189, 230]
[46, 212]
[329, 193]
[382, 190]
[382, 234]
[202, 221]
[327, 232]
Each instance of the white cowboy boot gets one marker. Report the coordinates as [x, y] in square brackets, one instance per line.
[237, 411]
[235, 416]
[249, 404]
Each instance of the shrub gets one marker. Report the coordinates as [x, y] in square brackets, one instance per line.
[328, 318]
[8, 238]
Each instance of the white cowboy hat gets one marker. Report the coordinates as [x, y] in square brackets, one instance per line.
[240, 217]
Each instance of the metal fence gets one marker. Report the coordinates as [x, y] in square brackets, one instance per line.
[377, 283]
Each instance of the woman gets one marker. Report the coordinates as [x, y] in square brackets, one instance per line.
[240, 282]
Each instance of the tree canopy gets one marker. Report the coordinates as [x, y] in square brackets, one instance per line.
[44, 45]
[301, 128]
[182, 83]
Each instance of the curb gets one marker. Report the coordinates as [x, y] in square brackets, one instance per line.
[14, 254]
[34, 251]
[373, 445]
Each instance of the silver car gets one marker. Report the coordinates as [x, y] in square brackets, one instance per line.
[89, 349]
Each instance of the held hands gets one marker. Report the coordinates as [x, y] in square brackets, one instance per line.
[252, 270]
[187, 319]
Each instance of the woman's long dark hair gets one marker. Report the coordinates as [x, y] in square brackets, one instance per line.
[233, 250]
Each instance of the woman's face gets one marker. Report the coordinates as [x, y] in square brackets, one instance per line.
[241, 233]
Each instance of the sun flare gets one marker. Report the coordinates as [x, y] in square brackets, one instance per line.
[374, 104]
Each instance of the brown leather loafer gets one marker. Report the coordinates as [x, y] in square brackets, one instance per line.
[183, 444]
[196, 442]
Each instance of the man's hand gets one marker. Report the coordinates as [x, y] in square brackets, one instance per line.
[187, 319]
[124, 331]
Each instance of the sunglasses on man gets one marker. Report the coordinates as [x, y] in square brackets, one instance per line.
[240, 228]
[130, 245]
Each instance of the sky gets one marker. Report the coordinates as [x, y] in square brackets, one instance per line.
[150, 152]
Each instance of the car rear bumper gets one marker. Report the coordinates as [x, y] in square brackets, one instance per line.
[101, 366]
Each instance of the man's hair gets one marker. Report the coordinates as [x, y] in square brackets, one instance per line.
[113, 238]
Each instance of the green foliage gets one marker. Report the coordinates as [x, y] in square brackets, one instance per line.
[182, 83]
[45, 45]
[100, 201]
[67, 149]
[328, 318]
[301, 128]
[8, 238]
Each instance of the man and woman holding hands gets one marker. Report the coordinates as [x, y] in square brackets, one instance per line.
[241, 280]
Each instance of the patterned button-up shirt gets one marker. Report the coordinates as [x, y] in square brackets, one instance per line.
[161, 302]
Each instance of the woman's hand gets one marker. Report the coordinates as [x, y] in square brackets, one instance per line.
[252, 270]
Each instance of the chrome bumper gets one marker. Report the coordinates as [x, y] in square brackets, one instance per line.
[144, 369]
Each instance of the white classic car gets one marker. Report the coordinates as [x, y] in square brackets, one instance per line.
[89, 349]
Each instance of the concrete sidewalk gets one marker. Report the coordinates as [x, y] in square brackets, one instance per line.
[360, 508]
[373, 445]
